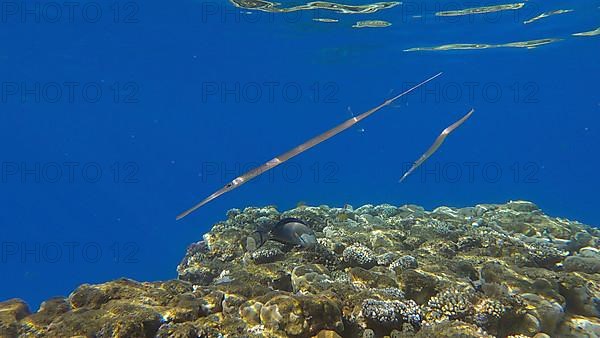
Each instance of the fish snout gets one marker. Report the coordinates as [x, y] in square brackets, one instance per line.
[308, 240]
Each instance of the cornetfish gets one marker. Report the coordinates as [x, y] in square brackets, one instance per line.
[238, 181]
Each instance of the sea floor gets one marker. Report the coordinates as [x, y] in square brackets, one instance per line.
[504, 270]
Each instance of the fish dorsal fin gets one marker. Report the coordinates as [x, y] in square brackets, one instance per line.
[287, 220]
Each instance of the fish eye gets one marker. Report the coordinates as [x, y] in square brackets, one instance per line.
[229, 185]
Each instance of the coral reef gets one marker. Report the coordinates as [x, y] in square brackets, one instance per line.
[376, 271]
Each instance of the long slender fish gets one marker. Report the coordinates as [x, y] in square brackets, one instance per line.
[238, 181]
[437, 143]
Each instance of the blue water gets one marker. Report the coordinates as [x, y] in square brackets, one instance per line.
[170, 101]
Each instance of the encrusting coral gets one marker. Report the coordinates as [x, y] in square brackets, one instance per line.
[376, 271]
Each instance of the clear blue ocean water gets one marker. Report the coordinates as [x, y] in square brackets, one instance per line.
[117, 116]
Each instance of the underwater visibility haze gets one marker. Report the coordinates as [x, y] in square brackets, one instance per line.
[119, 116]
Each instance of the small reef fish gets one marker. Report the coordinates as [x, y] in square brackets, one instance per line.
[294, 231]
[289, 231]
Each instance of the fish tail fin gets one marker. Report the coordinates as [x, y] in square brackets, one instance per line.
[263, 235]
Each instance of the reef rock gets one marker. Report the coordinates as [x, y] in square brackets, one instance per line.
[489, 270]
